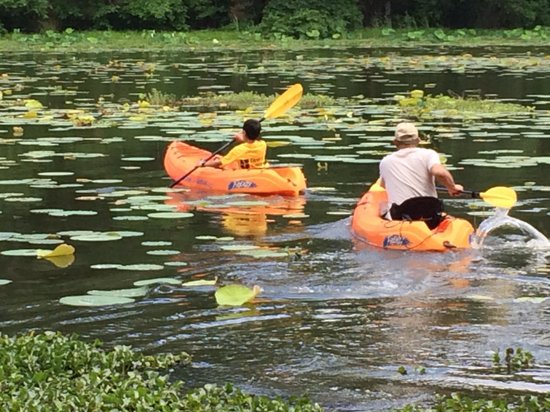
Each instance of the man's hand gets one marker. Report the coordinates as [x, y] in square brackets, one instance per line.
[455, 190]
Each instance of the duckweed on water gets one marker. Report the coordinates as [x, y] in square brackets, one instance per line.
[54, 371]
[420, 106]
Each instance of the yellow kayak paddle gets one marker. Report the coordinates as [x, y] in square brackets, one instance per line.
[279, 106]
[498, 196]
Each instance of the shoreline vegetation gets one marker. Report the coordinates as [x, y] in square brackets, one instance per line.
[214, 40]
[36, 373]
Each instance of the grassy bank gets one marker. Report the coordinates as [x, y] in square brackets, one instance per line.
[213, 40]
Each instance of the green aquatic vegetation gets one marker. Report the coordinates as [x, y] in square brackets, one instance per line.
[224, 39]
[462, 403]
[158, 98]
[62, 372]
[420, 106]
[244, 100]
[514, 360]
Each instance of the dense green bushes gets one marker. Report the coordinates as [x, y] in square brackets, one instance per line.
[36, 15]
[311, 18]
[296, 18]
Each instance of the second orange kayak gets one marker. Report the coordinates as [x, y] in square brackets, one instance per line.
[180, 158]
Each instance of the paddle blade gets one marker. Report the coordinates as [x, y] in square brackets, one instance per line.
[284, 102]
[500, 196]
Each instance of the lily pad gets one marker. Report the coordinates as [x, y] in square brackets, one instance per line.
[163, 252]
[170, 215]
[176, 263]
[239, 247]
[19, 252]
[97, 237]
[264, 253]
[235, 295]
[530, 299]
[126, 293]
[200, 282]
[94, 300]
[156, 243]
[205, 237]
[141, 267]
[106, 266]
[153, 281]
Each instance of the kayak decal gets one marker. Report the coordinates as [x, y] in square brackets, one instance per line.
[241, 184]
[395, 240]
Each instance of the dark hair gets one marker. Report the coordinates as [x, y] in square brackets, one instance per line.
[252, 128]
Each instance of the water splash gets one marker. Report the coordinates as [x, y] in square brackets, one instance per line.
[501, 219]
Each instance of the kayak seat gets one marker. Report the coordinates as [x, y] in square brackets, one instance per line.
[425, 208]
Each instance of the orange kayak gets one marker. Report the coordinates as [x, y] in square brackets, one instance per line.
[367, 226]
[181, 158]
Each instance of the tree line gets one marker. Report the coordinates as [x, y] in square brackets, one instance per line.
[296, 18]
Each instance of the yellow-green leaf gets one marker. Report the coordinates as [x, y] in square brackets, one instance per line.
[61, 250]
[236, 295]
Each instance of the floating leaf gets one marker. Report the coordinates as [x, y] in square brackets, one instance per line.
[126, 293]
[147, 282]
[61, 250]
[530, 299]
[235, 295]
[239, 247]
[156, 243]
[200, 282]
[19, 252]
[97, 237]
[263, 253]
[205, 237]
[170, 215]
[163, 252]
[142, 266]
[62, 261]
[106, 266]
[176, 263]
[94, 300]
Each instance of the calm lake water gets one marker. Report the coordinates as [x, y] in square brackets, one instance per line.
[335, 320]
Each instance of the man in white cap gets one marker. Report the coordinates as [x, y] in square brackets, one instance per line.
[410, 173]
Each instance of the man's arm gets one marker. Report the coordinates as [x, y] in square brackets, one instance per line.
[444, 177]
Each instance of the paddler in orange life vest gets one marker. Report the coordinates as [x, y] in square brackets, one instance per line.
[409, 176]
[249, 154]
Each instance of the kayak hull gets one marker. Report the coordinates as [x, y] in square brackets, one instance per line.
[181, 158]
[368, 227]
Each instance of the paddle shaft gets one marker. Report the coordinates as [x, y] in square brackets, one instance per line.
[475, 195]
[281, 104]
[205, 160]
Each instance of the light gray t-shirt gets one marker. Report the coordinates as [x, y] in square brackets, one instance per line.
[406, 173]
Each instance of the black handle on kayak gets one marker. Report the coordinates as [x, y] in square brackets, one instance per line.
[205, 160]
